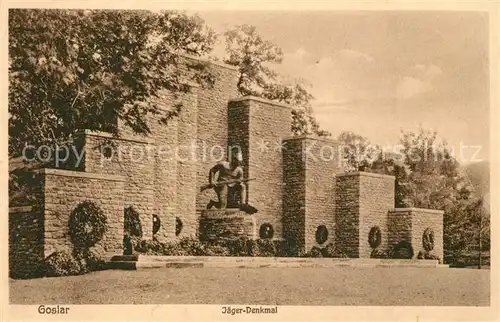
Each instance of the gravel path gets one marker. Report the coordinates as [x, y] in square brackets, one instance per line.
[289, 286]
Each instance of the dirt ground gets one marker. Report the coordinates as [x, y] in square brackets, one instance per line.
[269, 286]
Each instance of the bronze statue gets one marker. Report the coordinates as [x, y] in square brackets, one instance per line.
[227, 179]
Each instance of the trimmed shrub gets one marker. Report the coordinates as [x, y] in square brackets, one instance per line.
[316, 252]
[63, 264]
[192, 246]
[428, 255]
[331, 251]
[150, 247]
[238, 247]
[173, 249]
[265, 248]
[378, 253]
[216, 250]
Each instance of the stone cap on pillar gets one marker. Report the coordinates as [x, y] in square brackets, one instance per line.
[121, 137]
[311, 137]
[260, 100]
[208, 61]
[412, 209]
[365, 174]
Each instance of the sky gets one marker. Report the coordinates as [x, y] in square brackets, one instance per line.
[377, 73]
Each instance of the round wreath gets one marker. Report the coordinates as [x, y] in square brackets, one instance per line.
[156, 224]
[321, 234]
[87, 225]
[374, 237]
[132, 224]
[428, 239]
[266, 231]
[178, 226]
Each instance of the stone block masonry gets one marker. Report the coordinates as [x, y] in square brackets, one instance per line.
[347, 214]
[294, 195]
[363, 200]
[130, 160]
[213, 116]
[409, 224]
[309, 168]
[322, 163]
[35, 233]
[376, 197]
[298, 184]
[64, 190]
[26, 242]
[264, 125]
[187, 166]
[226, 224]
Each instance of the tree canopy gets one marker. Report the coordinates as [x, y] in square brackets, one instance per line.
[254, 57]
[427, 176]
[82, 69]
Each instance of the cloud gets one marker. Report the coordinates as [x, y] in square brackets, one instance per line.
[353, 55]
[409, 87]
[422, 81]
[428, 71]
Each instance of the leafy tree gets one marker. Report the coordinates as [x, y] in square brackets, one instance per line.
[254, 56]
[357, 150]
[76, 69]
[427, 176]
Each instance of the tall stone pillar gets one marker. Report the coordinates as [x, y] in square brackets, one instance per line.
[258, 127]
[363, 201]
[309, 167]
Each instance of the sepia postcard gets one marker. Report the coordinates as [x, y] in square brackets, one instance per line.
[231, 161]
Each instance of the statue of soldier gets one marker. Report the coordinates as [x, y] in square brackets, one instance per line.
[227, 171]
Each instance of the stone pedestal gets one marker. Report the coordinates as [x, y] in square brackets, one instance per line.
[226, 224]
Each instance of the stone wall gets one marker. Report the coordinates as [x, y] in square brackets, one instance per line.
[268, 124]
[409, 224]
[309, 168]
[26, 242]
[427, 218]
[347, 214]
[376, 197]
[399, 226]
[213, 122]
[294, 195]
[165, 170]
[64, 190]
[322, 164]
[187, 166]
[198, 136]
[134, 159]
[363, 200]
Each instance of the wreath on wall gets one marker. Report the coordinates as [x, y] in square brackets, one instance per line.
[87, 225]
[321, 234]
[156, 224]
[428, 239]
[132, 224]
[374, 237]
[178, 226]
[266, 231]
